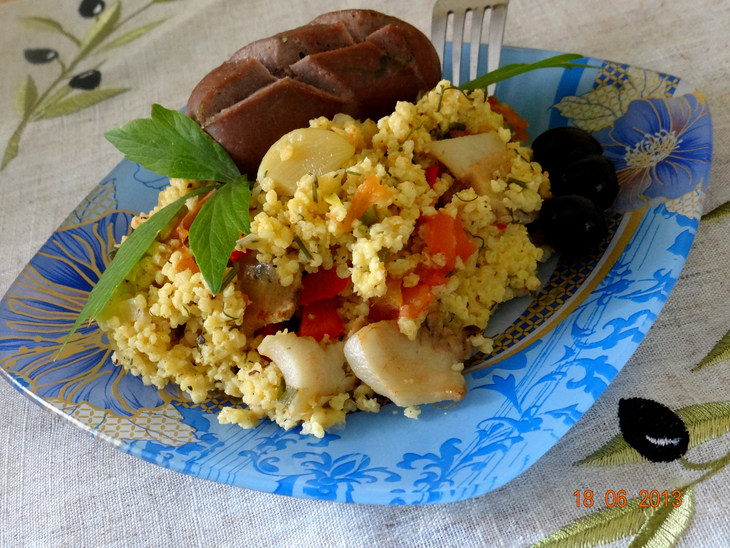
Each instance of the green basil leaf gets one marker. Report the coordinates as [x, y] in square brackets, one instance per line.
[508, 71]
[171, 144]
[128, 254]
[217, 227]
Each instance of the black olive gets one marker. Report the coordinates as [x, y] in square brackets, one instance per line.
[91, 8]
[561, 146]
[652, 429]
[86, 80]
[572, 224]
[40, 56]
[593, 177]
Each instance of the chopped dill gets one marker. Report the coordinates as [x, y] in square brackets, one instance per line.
[410, 133]
[445, 89]
[303, 247]
[518, 182]
[463, 200]
[230, 318]
[315, 185]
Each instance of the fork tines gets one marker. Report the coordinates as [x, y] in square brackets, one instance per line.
[459, 11]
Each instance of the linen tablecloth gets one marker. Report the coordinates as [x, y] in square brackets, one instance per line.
[59, 487]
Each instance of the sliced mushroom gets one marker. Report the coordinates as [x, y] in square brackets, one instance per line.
[405, 371]
[309, 370]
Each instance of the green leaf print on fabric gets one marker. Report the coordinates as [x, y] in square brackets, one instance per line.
[667, 523]
[46, 24]
[131, 35]
[602, 527]
[80, 101]
[25, 97]
[720, 212]
[719, 353]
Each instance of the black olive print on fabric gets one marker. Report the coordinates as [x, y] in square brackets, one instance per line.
[69, 83]
[86, 80]
[652, 429]
[40, 56]
[91, 8]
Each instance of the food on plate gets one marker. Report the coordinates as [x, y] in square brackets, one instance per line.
[355, 62]
[362, 264]
[376, 255]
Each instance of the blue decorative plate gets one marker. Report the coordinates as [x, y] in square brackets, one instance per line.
[554, 355]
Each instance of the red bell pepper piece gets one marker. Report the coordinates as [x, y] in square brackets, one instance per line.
[323, 284]
[320, 318]
[237, 255]
[432, 174]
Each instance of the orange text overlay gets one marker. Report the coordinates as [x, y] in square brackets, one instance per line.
[648, 499]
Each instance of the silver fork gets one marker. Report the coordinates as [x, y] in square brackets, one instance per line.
[459, 9]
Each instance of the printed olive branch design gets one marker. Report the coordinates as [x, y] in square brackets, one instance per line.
[57, 100]
[721, 351]
[649, 432]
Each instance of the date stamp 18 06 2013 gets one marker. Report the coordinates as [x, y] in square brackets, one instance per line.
[649, 499]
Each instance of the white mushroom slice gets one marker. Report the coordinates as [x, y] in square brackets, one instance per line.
[308, 368]
[460, 153]
[407, 372]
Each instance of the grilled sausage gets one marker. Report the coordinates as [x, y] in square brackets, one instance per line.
[358, 62]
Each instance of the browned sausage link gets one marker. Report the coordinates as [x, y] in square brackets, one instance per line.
[362, 24]
[247, 129]
[280, 51]
[225, 86]
[359, 62]
[372, 85]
